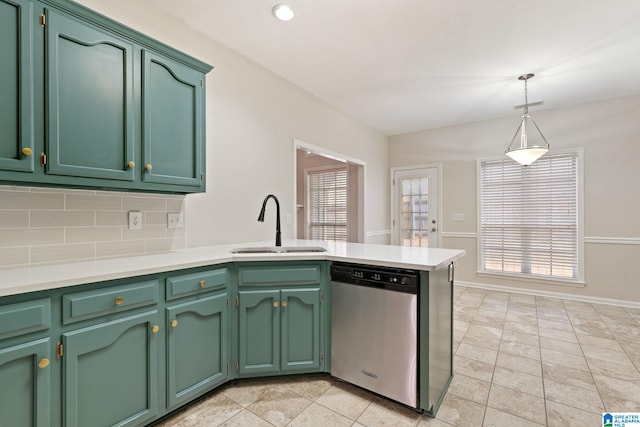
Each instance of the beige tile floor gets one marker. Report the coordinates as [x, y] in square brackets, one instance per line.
[520, 360]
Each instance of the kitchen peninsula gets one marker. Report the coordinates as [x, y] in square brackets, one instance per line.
[128, 340]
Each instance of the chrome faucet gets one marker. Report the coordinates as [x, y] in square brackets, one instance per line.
[261, 216]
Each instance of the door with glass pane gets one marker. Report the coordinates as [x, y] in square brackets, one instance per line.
[415, 219]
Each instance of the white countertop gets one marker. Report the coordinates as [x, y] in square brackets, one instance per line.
[51, 276]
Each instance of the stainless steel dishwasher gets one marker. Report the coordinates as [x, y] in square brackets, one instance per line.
[374, 329]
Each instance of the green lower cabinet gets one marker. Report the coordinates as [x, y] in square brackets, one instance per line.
[279, 331]
[111, 371]
[300, 330]
[259, 333]
[197, 350]
[25, 384]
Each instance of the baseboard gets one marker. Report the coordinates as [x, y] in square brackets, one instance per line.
[551, 294]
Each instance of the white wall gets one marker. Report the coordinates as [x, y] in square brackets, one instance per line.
[609, 133]
[252, 118]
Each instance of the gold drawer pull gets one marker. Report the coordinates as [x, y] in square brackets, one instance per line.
[27, 151]
[131, 164]
[119, 300]
[275, 304]
[284, 303]
[203, 283]
[43, 363]
[174, 323]
[148, 167]
[155, 329]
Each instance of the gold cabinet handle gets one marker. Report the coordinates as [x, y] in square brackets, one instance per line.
[148, 167]
[174, 323]
[284, 303]
[119, 300]
[203, 283]
[27, 151]
[131, 164]
[155, 329]
[43, 363]
[275, 304]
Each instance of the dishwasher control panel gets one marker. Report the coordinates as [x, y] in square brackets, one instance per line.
[395, 279]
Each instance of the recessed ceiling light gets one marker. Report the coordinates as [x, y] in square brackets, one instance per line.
[283, 12]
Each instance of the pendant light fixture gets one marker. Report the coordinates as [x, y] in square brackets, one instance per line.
[524, 153]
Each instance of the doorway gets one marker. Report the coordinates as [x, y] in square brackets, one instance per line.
[329, 195]
[415, 210]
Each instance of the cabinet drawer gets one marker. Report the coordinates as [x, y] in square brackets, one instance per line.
[99, 302]
[194, 283]
[304, 274]
[24, 317]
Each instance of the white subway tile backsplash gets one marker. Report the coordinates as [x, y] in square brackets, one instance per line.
[144, 203]
[57, 253]
[29, 200]
[14, 219]
[10, 237]
[83, 202]
[92, 234]
[61, 218]
[44, 225]
[146, 232]
[14, 256]
[114, 249]
[112, 218]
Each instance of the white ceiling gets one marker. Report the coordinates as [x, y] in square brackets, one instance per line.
[407, 65]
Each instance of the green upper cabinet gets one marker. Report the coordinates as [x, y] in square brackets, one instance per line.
[16, 86]
[87, 102]
[90, 104]
[172, 122]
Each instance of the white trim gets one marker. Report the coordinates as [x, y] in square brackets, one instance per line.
[551, 294]
[461, 234]
[580, 207]
[378, 233]
[590, 239]
[614, 240]
[362, 181]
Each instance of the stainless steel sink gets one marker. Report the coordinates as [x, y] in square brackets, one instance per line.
[277, 249]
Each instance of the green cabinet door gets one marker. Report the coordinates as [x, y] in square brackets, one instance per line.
[197, 351]
[90, 105]
[259, 333]
[16, 86]
[300, 329]
[172, 122]
[25, 384]
[111, 372]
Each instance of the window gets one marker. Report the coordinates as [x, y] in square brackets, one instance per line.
[327, 202]
[530, 216]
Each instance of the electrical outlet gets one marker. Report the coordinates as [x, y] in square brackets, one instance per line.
[457, 217]
[288, 219]
[175, 220]
[135, 220]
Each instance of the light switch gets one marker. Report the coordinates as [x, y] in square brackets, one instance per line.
[458, 216]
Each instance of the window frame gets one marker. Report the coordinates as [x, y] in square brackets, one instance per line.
[578, 281]
[320, 170]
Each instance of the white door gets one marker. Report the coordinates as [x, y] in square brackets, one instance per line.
[415, 218]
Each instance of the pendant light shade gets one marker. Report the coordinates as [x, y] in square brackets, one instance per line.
[525, 153]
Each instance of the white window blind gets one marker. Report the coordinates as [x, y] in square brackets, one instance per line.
[529, 217]
[327, 204]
